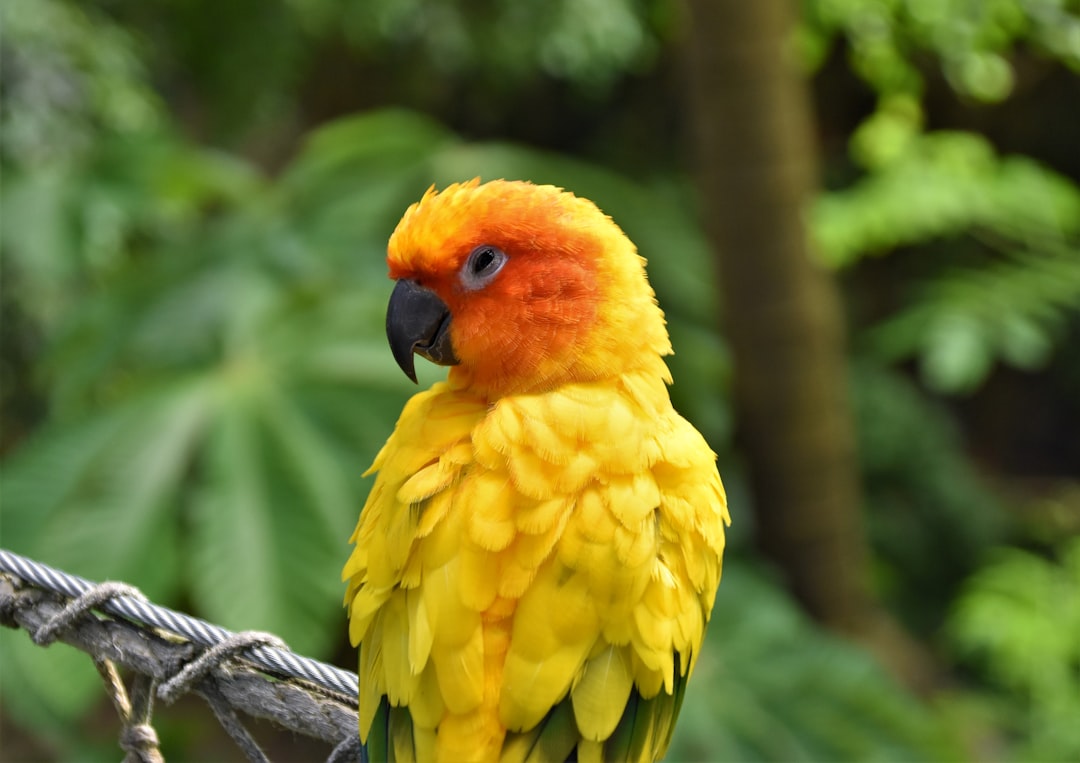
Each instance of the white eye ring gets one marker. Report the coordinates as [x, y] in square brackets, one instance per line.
[481, 267]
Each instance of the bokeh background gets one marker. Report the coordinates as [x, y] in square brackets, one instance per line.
[861, 217]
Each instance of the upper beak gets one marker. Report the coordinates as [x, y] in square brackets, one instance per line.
[417, 321]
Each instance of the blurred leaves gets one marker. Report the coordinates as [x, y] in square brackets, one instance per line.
[961, 322]
[930, 516]
[929, 186]
[947, 191]
[761, 653]
[68, 72]
[1021, 218]
[1020, 616]
[972, 43]
[585, 41]
[481, 50]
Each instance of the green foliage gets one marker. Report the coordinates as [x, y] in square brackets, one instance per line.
[1022, 223]
[972, 42]
[584, 41]
[930, 517]
[1013, 223]
[1013, 310]
[68, 72]
[483, 50]
[1019, 618]
[938, 185]
[762, 653]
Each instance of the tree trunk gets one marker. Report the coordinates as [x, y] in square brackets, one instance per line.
[757, 170]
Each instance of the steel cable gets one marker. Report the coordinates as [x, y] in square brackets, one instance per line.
[280, 662]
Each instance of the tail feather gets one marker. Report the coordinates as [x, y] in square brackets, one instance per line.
[394, 737]
[555, 738]
[377, 746]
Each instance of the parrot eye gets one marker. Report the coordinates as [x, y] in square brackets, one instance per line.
[483, 264]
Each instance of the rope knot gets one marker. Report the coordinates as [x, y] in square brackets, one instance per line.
[140, 740]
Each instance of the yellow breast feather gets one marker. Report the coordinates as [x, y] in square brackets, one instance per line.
[534, 576]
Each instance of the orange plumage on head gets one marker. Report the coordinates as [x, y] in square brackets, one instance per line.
[571, 303]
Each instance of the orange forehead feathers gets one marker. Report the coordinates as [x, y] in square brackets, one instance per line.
[439, 231]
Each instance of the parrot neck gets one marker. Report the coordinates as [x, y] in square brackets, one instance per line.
[462, 378]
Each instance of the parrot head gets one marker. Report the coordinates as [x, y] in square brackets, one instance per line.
[521, 288]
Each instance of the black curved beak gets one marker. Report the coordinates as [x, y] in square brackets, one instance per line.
[417, 321]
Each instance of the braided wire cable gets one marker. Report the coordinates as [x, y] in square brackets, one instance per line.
[272, 659]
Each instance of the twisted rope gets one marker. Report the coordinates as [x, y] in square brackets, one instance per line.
[275, 660]
[227, 669]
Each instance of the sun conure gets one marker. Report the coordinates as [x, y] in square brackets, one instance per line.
[537, 560]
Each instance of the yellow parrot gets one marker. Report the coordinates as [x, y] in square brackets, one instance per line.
[538, 557]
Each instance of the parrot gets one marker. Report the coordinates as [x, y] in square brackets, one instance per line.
[538, 557]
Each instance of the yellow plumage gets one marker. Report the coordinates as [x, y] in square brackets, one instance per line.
[534, 566]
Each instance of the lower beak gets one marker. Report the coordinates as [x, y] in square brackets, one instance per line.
[417, 321]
